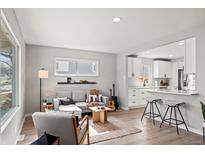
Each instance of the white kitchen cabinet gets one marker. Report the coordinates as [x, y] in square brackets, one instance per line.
[162, 69]
[138, 67]
[130, 67]
[134, 67]
[190, 56]
[137, 97]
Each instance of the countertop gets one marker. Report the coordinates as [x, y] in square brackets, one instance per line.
[146, 87]
[172, 91]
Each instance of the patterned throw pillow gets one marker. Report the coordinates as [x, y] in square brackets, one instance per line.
[93, 98]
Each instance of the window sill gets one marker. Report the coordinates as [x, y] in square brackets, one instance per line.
[8, 119]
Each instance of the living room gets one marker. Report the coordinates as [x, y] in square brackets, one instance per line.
[89, 68]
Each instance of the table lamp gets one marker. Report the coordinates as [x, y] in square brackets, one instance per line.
[42, 74]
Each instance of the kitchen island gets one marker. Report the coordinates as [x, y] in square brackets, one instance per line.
[137, 95]
[174, 91]
[191, 110]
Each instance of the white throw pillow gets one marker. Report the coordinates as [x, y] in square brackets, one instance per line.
[62, 98]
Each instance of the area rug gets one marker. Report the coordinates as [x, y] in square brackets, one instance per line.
[114, 134]
[99, 127]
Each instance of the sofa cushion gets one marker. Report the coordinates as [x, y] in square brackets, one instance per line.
[78, 96]
[82, 105]
[68, 108]
[73, 109]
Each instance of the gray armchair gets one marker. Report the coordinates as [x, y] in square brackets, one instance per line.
[63, 125]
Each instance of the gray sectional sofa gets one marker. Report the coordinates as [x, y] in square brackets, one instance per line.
[79, 97]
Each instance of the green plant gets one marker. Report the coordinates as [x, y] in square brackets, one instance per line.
[203, 109]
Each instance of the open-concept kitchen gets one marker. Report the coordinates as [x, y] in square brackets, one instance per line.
[117, 76]
[163, 79]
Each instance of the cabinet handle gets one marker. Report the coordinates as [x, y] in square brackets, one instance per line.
[134, 102]
[133, 95]
[133, 90]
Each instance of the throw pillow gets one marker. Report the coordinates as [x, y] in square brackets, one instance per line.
[46, 139]
[100, 98]
[62, 98]
[93, 98]
[66, 101]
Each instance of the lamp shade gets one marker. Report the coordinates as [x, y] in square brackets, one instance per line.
[43, 74]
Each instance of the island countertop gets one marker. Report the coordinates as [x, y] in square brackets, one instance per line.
[146, 87]
[175, 92]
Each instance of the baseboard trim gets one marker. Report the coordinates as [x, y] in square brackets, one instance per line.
[21, 126]
[19, 131]
[124, 108]
[193, 130]
[28, 115]
[136, 107]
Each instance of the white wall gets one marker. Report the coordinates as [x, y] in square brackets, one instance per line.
[121, 81]
[43, 57]
[10, 134]
[193, 111]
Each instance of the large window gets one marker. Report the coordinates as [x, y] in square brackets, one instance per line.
[8, 72]
[76, 67]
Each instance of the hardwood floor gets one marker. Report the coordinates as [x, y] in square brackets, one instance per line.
[150, 134]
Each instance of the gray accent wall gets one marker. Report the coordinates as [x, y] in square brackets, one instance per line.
[11, 132]
[43, 57]
[193, 109]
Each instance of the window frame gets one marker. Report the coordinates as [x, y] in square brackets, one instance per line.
[94, 68]
[12, 112]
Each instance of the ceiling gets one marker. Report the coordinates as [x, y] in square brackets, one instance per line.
[93, 29]
[170, 51]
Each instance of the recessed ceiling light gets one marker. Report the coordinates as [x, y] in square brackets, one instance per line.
[181, 42]
[170, 56]
[116, 19]
[147, 52]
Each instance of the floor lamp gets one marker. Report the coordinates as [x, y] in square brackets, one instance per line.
[42, 74]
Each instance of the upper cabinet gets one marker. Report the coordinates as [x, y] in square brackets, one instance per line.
[162, 69]
[140, 69]
[130, 67]
[190, 56]
[134, 67]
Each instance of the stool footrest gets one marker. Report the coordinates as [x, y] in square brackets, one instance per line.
[179, 122]
[151, 114]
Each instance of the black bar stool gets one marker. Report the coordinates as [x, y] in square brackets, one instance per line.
[173, 105]
[151, 102]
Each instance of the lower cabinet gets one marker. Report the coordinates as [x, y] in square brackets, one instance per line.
[137, 97]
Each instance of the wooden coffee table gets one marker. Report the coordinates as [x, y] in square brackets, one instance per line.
[100, 113]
